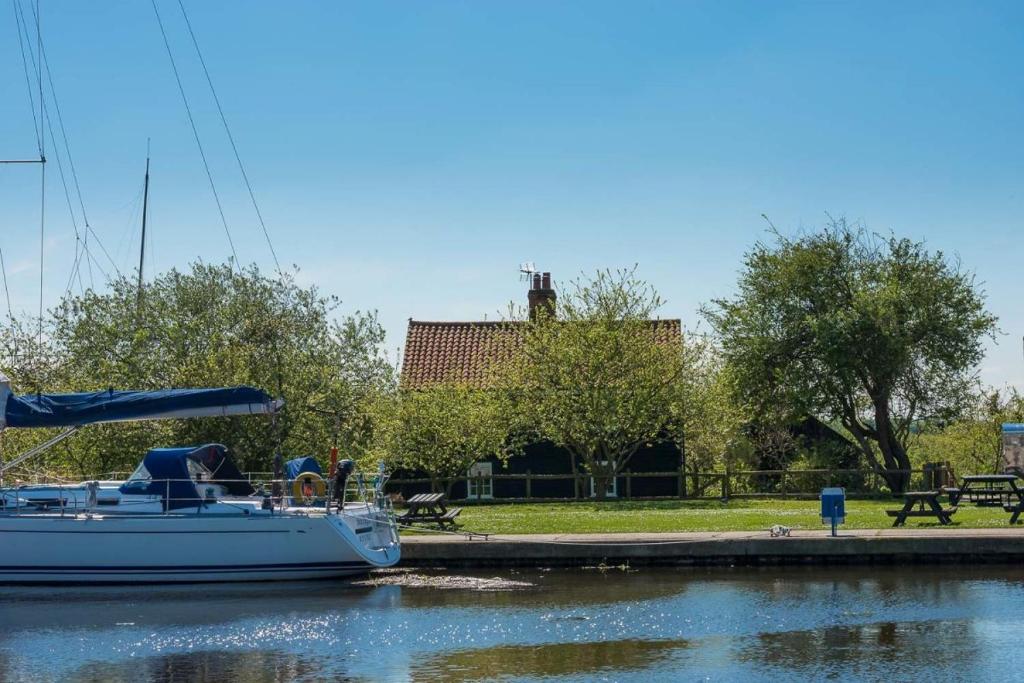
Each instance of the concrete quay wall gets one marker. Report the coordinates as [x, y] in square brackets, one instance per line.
[890, 546]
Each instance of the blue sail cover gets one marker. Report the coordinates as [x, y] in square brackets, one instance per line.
[72, 410]
[297, 466]
[165, 473]
[1013, 427]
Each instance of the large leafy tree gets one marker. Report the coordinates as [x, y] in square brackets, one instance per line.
[874, 333]
[209, 326]
[599, 377]
[444, 428]
[707, 417]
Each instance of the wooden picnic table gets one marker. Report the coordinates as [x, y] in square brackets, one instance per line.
[988, 490]
[429, 508]
[928, 505]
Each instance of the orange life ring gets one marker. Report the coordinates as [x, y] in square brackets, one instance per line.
[308, 486]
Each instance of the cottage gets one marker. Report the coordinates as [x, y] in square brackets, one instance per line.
[445, 351]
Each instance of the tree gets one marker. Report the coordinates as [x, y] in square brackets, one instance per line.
[707, 418]
[209, 326]
[974, 442]
[444, 428]
[874, 333]
[600, 379]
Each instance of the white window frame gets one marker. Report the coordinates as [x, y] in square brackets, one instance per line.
[485, 471]
[613, 484]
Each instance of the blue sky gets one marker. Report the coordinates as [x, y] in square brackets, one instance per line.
[408, 156]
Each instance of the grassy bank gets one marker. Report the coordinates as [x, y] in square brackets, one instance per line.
[736, 515]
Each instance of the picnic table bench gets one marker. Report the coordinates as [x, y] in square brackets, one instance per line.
[928, 505]
[429, 508]
[987, 490]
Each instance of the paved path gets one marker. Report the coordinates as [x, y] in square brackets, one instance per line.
[888, 546]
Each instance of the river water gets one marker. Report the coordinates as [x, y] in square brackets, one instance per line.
[649, 625]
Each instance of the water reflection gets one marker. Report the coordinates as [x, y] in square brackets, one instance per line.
[771, 624]
[196, 667]
[868, 647]
[551, 589]
[559, 660]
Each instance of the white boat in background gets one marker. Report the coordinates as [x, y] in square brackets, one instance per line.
[185, 514]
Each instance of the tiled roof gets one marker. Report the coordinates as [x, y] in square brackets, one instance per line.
[462, 351]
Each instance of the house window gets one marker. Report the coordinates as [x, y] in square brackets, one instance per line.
[612, 491]
[480, 483]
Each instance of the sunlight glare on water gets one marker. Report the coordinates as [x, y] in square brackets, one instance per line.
[778, 624]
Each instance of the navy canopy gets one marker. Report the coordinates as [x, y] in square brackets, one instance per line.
[72, 410]
[294, 468]
[223, 469]
[164, 472]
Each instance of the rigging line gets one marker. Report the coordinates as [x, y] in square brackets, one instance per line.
[117, 270]
[67, 145]
[42, 174]
[195, 134]
[3, 271]
[106, 275]
[75, 266]
[39, 76]
[48, 120]
[67, 198]
[28, 79]
[231, 138]
[81, 287]
[18, 18]
[124, 244]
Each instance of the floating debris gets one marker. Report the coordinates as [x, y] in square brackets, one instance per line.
[602, 567]
[410, 579]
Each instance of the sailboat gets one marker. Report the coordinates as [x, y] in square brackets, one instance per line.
[186, 514]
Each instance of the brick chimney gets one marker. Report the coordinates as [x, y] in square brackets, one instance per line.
[541, 295]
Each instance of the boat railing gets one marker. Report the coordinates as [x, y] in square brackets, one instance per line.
[274, 495]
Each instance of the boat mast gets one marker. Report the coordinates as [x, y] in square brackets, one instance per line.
[142, 246]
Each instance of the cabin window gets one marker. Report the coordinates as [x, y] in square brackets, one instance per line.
[481, 484]
[612, 491]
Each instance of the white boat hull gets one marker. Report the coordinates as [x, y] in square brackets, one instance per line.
[190, 547]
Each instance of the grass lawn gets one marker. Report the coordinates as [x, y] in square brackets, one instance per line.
[736, 515]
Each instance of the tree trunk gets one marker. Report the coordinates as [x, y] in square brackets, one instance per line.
[897, 462]
[601, 475]
[887, 469]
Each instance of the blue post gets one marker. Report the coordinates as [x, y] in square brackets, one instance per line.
[833, 507]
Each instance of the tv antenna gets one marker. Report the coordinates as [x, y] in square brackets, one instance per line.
[526, 270]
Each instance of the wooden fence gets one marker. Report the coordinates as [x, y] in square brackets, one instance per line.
[698, 485]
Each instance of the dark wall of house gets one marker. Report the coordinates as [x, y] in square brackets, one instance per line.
[546, 458]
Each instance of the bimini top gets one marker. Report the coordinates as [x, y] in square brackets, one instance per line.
[297, 466]
[171, 474]
[74, 410]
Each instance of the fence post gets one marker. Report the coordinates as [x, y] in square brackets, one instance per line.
[682, 481]
[529, 484]
[725, 485]
[629, 485]
[782, 482]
